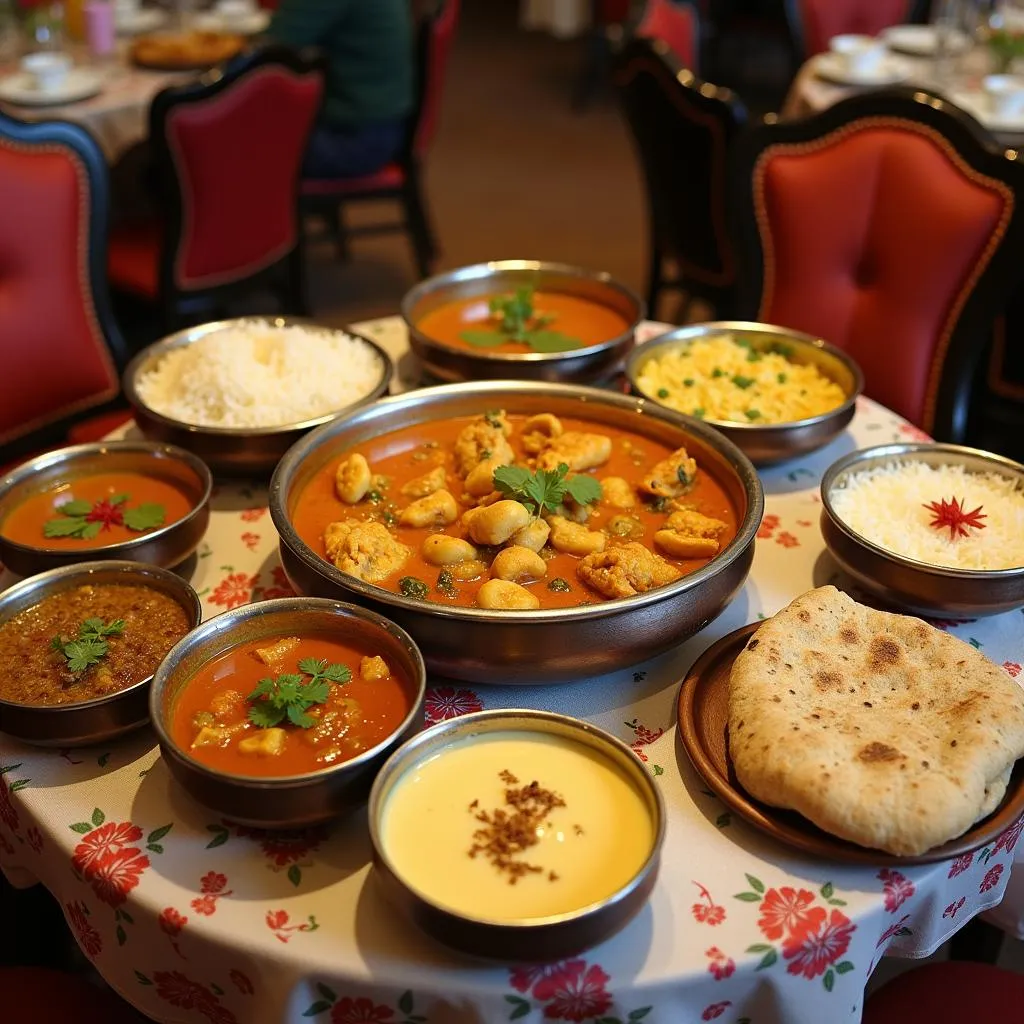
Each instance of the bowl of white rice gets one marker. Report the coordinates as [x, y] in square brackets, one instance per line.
[933, 528]
[773, 392]
[239, 393]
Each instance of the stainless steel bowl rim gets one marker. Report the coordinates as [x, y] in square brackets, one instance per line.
[749, 480]
[678, 337]
[134, 572]
[907, 450]
[224, 621]
[71, 452]
[518, 720]
[477, 271]
[191, 335]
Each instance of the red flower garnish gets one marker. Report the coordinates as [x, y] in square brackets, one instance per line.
[951, 514]
[107, 514]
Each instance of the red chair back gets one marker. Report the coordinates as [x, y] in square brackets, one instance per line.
[675, 24]
[888, 237]
[60, 348]
[235, 149]
[436, 35]
[820, 20]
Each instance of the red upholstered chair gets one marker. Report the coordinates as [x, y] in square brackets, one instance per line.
[891, 226]
[948, 993]
[683, 129]
[401, 180]
[676, 25]
[228, 148]
[62, 352]
[815, 22]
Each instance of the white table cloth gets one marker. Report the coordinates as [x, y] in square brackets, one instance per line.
[194, 918]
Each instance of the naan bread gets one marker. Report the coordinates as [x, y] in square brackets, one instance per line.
[877, 727]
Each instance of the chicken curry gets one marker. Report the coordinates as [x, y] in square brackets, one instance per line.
[289, 705]
[506, 511]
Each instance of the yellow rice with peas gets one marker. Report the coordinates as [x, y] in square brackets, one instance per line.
[722, 378]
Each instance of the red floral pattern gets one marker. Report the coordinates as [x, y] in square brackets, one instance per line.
[253, 515]
[824, 940]
[575, 993]
[116, 876]
[913, 433]
[8, 812]
[897, 888]
[523, 978]
[360, 1011]
[721, 966]
[785, 911]
[284, 848]
[951, 910]
[991, 879]
[1012, 667]
[787, 540]
[278, 923]
[172, 922]
[241, 981]
[707, 912]
[768, 526]
[444, 702]
[88, 938]
[250, 540]
[715, 1010]
[960, 865]
[35, 839]
[234, 590]
[178, 990]
[108, 863]
[280, 587]
[1008, 840]
[213, 887]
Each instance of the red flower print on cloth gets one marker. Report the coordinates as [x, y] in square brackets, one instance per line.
[172, 922]
[212, 886]
[825, 940]
[908, 430]
[241, 982]
[277, 922]
[116, 876]
[721, 966]
[523, 978]
[715, 1010]
[707, 912]
[1012, 667]
[360, 1011]
[787, 540]
[444, 702]
[88, 938]
[250, 540]
[35, 839]
[898, 889]
[102, 843]
[1008, 840]
[960, 865]
[234, 590]
[575, 993]
[280, 587]
[769, 524]
[991, 879]
[893, 929]
[285, 847]
[8, 812]
[951, 910]
[785, 911]
[253, 515]
[173, 987]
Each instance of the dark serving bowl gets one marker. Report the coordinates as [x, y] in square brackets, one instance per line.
[234, 451]
[291, 801]
[548, 645]
[772, 442]
[165, 546]
[534, 939]
[911, 584]
[588, 364]
[102, 718]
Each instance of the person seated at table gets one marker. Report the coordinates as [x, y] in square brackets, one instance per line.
[369, 93]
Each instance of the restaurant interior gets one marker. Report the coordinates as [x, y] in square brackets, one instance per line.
[511, 510]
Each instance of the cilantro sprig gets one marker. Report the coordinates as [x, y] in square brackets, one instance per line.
[517, 321]
[90, 646]
[290, 695]
[545, 488]
[85, 519]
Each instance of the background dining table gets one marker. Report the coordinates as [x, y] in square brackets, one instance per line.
[192, 917]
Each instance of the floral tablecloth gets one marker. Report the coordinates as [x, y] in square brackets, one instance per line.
[194, 918]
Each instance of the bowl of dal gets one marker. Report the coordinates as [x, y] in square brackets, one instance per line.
[936, 529]
[79, 646]
[777, 394]
[521, 320]
[239, 393]
[449, 810]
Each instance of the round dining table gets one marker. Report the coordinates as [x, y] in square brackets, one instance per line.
[193, 917]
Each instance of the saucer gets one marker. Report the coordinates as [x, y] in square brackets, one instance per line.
[888, 71]
[21, 89]
[979, 106]
[144, 19]
[251, 25]
[921, 40]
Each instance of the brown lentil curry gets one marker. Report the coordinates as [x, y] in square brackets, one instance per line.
[33, 672]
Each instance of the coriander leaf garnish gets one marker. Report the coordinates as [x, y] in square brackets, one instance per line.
[483, 339]
[289, 697]
[516, 320]
[545, 488]
[743, 382]
[145, 517]
[89, 646]
[85, 519]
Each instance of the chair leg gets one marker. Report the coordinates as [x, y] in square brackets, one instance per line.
[417, 222]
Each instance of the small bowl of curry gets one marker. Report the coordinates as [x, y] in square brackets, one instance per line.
[521, 320]
[279, 714]
[79, 646]
[137, 500]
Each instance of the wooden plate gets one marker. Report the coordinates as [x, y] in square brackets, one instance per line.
[703, 728]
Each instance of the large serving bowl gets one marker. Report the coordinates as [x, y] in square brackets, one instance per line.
[290, 801]
[767, 443]
[583, 365]
[103, 718]
[549, 645]
[233, 451]
[542, 938]
[907, 582]
[165, 546]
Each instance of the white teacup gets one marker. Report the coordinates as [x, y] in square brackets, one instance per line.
[48, 71]
[860, 55]
[235, 12]
[1006, 94]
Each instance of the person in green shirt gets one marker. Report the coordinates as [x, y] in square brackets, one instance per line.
[369, 94]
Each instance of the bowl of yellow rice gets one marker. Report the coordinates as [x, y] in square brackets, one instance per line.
[776, 393]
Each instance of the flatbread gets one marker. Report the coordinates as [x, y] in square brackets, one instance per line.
[877, 727]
